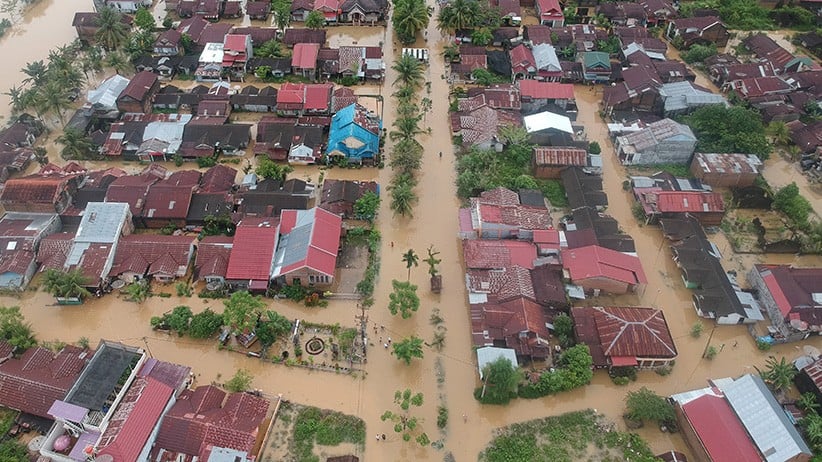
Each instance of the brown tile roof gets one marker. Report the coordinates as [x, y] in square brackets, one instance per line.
[219, 178]
[507, 321]
[16, 261]
[139, 86]
[152, 254]
[33, 189]
[213, 253]
[295, 36]
[34, 381]
[560, 156]
[497, 254]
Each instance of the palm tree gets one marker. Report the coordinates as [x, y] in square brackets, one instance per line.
[36, 73]
[54, 98]
[315, 20]
[117, 61]
[71, 284]
[409, 71]
[406, 128]
[779, 132]
[411, 259]
[76, 145]
[410, 17]
[451, 52]
[15, 94]
[778, 374]
[459, 14]
[111, 31]
[402, 195]
[41, 155]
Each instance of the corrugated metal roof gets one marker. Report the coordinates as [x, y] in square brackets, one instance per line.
[102, 222]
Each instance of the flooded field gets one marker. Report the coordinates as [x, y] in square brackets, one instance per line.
[434, 223]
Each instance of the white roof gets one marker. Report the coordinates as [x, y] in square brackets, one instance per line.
[213, 53]
[420, 54]
[546, 57]
[545, 120]
[487, 355]
[102, 222]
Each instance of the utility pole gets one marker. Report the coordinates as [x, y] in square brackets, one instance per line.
[145, 341]
[705, 351]
[363, 320]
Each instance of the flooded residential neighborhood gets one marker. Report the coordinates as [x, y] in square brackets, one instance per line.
[203, 271]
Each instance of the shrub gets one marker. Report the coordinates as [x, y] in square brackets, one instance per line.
[711, 352]
[594, 148]
[442, 416]
[240, 382]
[696, 329]
[763, 345]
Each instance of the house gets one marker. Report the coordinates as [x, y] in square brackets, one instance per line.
[169, 43]
[46, 193]
[498, 254]
[205, 140]
[523, 63]
[738, 419]
[209, 204]
[210, 63]
[596, 66]
[259, 35]
[639, 91]
[307, 247]
[470, 59]
[588, 226]
[498, 214]
[597, 269]
[478, 124]
[269, 197]
[729, 170]
[284, 139]
[258, 10]
[237, 50]
[791, 297]
[768, 51]
[685, 97]
[547, 62]
[662, 142]
[754, 88]
[300, 9]
[518, 323]
[361, 12]
[139, 93]
[20, 236]
[252, 99]
[625, 336]
[549, 129]
[212, 112]
[304, 59]
[807, 137]
[329, 9]
[213, 253]
[722, 73]
[167, 201]
[659, 12]
[252, 255]
[707, 207]
[128, 6]
[205, 419]
[809, 378]
[549, 162]
[702, 30]
[549, 13]
[163, 258]
[298, 99]
[87, 26]
[39, 377]
[164, 66]
[355, 134]
[232, 9]
[583, 189]
[623, 13]
[207, 9]
[535, 95]
[293, 37]
[339, 196]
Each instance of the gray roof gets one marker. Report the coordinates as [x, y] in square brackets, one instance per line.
[102, 222]
[679, 96]
[219, 454]
[488, 354]
[763, 417]
[546, 57]
[655, 133]
[107, 93]
[293, 247]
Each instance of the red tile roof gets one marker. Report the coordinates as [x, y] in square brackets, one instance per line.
[497, 254]
[594, 261]
[39, 377]
[133, 422]
[545, 90]
[139, 86]
[502, 284]
[506, 321]
[318, 96]
[793, 289]
[33, 189]
[213, 254]
[218, 178]
[253, 252]
[547, 6]
[153, 255]
[16, 261]
[719, 429]
[630, 332]
[198, 421]
[560, 156]
[760, 86]
[305, 55]
[522, 59]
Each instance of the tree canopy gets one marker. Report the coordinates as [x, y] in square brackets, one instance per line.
[205, 324]
[501, 381]
[778, 374]
[144, 19]
[315, 20]
[736, 14]
[409, 18]
[242, 311]
[403, 299]
[732, 129]
[367, 206]
[644, 404]
[408, 349]
[14, 329]
[70, 284]
[272, 327]
[241, 381]
[788, 201]
[267, 168]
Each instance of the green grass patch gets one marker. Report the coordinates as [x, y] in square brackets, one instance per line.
[575, 436]
[677, 170]
[315, 426]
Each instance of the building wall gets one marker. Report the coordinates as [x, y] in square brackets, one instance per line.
[548, 171]
[305, 276]
[698, 452]
[666, 152]
[723, 179]
[604, 284]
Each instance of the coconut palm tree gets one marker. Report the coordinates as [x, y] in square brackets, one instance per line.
[410, 17]
[71, 284]
[779, 133]
[111, 31]
[409, 71]
[410, 259]
[402, 195]
[406, 157]
[54, 98]
[459, 14]
[406, 128]
[76, 145]
[117, 61]
[778, 374]
[15, 94]
[35, 73]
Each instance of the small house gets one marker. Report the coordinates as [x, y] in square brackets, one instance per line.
[169, 43]
[792, 298]
[258, 10]
[252, 254]
[304, 60]
[549, 13]
[662, 142]
[597, 269]
[549, 162]
[293, 37]
[363, 12]
[213, 253]
[339, 196]
[21, 236]
[355, 134]
[702, 30]
[729, 170]
[162, 258]
[139, 93]
[307, 247]
[237, 51]
[596, 66]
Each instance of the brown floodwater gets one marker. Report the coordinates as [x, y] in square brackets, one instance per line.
[434, 223]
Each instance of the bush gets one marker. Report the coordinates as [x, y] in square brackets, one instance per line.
[594, 148]
[206, 162]
[788, 201]
[442, 416]
[711, 352]
[696, 329]
[205, 324]
[699, 53]
[240, 382]
[763, 345]
[645, 405]
[621, 381]
[574, 369]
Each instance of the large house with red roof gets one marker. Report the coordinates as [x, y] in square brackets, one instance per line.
[598, 269]
[706, 206]
[792, 298]
[309, 241]
[499, 214]
[298, 99]
[237, 51]
[204, 418]
[535, 95]
[252, 255]
[624, 336]
[213, 253]
[549, 13]
[163, 258]
[304, 60]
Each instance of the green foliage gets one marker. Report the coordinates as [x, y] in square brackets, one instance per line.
[442, 416]
[367, 206]
[467, 14]
[594, 148]
[111, 31]
[812, 426]
[144, 19]
[366, 286]
[699, 53]
[711, 352]
[66, 284]
[794, 17]
[179, 318]
[500, 382]
[696, 329]
[575, 436]
[481, 37]
[403, 196]
[13, 451]
[573, 370]
[729, 129]
[207, 162]
[14, 329]
[328, 428]
[411, 259]
[788, 201]
[205, 324]
[275, 326]
[644, 404]
[564, 329]
[409, 71]
[736, 14]
[76, 145]
[218, 225]
[807, 402]
[137, 291]
[485, 77]
[241, 311]
[432, 261]
[778, 375]
[404, 423]
[241, 381]
[188, 43]
[403, 299]
[315, 20]
[408, 349]
[267, 168]
[409, 18]
[762, 345]
[610, 46]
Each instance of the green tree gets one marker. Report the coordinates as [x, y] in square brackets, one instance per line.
[111, 30]
[409, 18]
[54, 98]
[76, 145]
[451, 52]
[778, 374]
[406, 424]
[205, 324]
[564, 329]
[808, 403]
[179, 318]
[501, 380]
[275, 326]
[188, 43]
[403, 299]
[459, 14]
[812, 424]
[779, 132]
[411, 259]
[315, 20]
[137, 291]
[271, 49]
[140, 42]
[12, 451]
[699, 53]
[35, 73]
[409, 71]
[70, 284]
[481, 37]
[281, 9]
[14, 329]
[117, 61]
[241, 381]
[407, 349]
[696, 329]
[788, 201]
[432, 261]
[403, 196]
[267, 168]
[485, 77]
[594, 148]
[144, 19]
[728, 129]
[366, 207]
[242, 311]
[644, 404]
